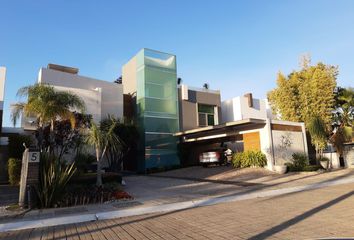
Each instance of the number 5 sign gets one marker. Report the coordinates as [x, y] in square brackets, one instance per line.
[33, 157]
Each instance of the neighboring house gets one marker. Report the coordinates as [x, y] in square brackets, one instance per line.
[101, 97]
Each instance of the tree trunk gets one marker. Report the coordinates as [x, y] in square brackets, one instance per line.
[99, 172]
[40, 135]
[51, 136]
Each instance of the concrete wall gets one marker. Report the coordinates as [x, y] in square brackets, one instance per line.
[237, 109]
[189, 108]
[349, 155]
[283, 153]
[129, 71]
[101, 97]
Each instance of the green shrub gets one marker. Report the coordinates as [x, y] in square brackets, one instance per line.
[237, 159]
[299, 163]
[16, 147]
[249, 159]
[83, 162]
[311, 168]
[300, 160]
[14, 170]
[323, 159]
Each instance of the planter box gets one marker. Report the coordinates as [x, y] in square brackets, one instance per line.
[324, 164]
[281, 169]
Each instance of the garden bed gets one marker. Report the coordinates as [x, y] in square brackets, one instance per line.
[90, 178]
[83, 194]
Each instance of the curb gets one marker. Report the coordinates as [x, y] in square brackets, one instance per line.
[48, 222]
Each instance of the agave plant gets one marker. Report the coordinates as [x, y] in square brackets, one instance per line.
[53, 178]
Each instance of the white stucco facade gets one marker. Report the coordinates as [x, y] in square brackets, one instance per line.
[101, 97]
[237, 109]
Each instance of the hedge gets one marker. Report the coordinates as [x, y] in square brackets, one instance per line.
[14, 170]
[249, 158]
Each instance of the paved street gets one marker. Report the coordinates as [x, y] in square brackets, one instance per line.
[321, 213]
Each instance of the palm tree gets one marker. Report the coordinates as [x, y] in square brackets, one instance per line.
[317, 129]
[46, 105]
[344, 113]
[102, 137]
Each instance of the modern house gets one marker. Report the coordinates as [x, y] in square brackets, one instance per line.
[175, 119]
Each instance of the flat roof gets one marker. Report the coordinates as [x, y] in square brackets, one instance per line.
[61, 68]
[221, 126]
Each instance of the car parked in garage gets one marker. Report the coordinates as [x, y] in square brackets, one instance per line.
[214, 156]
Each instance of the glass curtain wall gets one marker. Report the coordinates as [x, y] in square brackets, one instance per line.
[157, 112]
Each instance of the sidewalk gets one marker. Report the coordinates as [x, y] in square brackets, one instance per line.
[161, 193]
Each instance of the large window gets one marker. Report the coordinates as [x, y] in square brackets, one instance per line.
[206, 115]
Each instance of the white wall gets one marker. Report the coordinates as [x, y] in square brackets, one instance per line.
[2, 86]
[101, 97]
[237, 109]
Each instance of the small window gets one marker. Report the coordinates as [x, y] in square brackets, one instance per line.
[206, 115]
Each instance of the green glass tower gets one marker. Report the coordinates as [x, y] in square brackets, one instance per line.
[151, 76]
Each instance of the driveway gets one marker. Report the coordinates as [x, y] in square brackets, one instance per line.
[197, 183]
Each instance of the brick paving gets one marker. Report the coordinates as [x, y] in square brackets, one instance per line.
[320, 213]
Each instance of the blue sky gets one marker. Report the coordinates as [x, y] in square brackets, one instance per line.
[235, 46]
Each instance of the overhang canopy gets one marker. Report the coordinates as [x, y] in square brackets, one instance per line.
[220, 132]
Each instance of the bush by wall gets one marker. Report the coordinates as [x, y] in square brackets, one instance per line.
[300, 162]
[249, 159]
[14, 170]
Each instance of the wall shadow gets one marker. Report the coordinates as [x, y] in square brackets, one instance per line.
[271, 231]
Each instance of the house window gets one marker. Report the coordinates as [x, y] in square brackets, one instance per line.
[206, 115]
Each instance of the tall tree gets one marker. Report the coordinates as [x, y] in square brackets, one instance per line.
[46, 105]
[305, 93]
